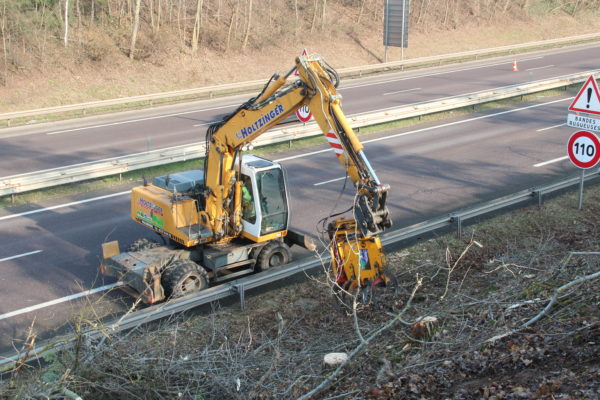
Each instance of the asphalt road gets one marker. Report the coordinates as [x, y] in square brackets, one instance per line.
[51, 250]
[44, 146]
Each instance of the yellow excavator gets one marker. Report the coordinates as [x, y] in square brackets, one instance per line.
[231, 218]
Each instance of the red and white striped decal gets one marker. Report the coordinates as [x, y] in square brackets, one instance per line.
[335, 143]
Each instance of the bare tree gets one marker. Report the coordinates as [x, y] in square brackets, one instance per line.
[297, 26]
[360, 12]
[197, 26]
[314, 18]
[136, 25]
[218, 15]
[248, 25]
[234, 12]
[66, 38]
[4, 49]
[323, 14]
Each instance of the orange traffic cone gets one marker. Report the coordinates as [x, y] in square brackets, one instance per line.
[515, 66]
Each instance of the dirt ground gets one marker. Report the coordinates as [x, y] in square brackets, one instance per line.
[61, 78]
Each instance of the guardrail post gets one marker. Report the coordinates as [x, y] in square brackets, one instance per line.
[458, 220]
[538, 193]
[240, 289]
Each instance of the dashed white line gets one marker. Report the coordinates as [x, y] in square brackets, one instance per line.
[550, 127]
[20, 255]
[431, 74]
[58, 301]
[550, 161]
[136, 120]
[329, 181]
[465, 120]
[74, 203]
[544, 67]
[401, 91]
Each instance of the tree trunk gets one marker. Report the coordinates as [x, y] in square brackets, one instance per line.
[323, 14]
[218, 16]
[152, 22]
[245, 43]
[66, 39]
[296, 27]
[92, 11]
[230, 29]
[197, 26]
[78, 13]
[314, 18]
[136, 25]
[4, 49]
[360, 11]
[158, 16]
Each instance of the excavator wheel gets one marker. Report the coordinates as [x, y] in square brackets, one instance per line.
[274, 254]
[182, 277]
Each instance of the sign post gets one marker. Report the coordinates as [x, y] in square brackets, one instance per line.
[583, 148]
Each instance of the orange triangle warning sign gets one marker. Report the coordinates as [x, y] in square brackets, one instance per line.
[304, 53]
[588, 98]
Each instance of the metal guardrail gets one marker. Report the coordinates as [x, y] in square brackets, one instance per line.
[10, 185]
[239, 286]
[251, 85]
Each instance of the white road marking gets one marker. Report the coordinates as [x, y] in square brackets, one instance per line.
[465, 120]
[74, 203]
[426, 129]
[233, 105]
[21, 255]
[547, 66]
[550, 127]
[550, 161]
[58, 301]
[329, 181]
[136, 120]
[302, 155]
[433, 74]
[402, 91]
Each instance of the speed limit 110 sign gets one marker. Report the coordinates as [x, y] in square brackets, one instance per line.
[584, 149]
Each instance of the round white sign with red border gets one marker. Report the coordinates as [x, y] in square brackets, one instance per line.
[304, 114]
[584, 149]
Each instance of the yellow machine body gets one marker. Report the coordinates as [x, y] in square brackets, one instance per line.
[241, 200]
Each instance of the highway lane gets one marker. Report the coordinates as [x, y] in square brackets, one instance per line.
[31, 148]
[432, 169]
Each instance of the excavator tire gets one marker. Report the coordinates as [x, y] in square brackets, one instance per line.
[182, 277]
[274, 254]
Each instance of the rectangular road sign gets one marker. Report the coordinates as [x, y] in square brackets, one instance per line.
[395, 23]
[583, 122]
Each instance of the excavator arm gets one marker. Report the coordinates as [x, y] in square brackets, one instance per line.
[357, 255]
[315, 88]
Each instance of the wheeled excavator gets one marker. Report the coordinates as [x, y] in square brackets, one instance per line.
[231, 217]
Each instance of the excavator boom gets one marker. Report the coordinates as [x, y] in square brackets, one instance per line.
[232, 217]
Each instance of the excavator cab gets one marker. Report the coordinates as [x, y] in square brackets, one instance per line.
[265, 208]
